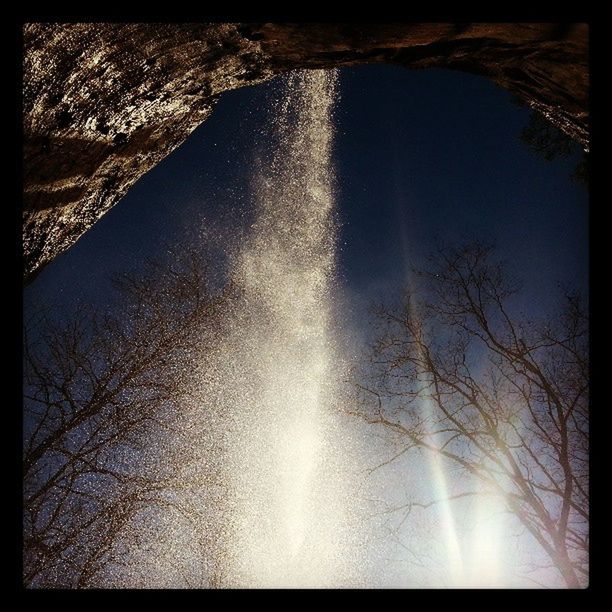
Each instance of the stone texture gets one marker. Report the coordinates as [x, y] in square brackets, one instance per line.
[104, 103]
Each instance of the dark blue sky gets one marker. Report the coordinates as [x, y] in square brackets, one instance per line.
[423, 158]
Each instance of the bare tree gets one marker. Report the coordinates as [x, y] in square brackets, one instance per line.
[507, 398]
[105, 396]
[549, 142]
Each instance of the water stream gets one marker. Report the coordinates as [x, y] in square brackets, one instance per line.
[287, 452]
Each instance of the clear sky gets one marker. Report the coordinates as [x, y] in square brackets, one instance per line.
[423, 158]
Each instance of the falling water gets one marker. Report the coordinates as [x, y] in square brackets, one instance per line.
[288, 519]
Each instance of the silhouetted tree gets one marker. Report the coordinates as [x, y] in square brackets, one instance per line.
[507, 399]
[105, 401]
[548, 141]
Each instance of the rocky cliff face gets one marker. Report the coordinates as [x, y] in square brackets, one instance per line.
[104, 103]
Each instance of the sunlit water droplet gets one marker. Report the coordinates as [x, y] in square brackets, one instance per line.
[289, 524]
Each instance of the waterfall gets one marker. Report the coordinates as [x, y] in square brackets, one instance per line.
[288, 517]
